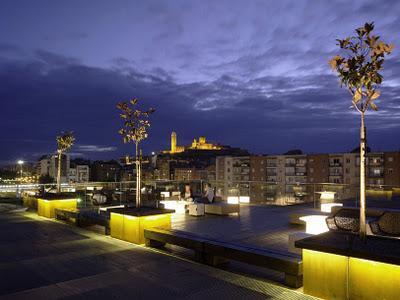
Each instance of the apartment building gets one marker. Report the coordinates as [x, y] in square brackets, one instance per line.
[336, 168]
[233, 175]
[79, 173]
[375, 168]
[258, 176]
[184, 174]
[392, 168]
[286, 176]
[318, 168]
[48, 166]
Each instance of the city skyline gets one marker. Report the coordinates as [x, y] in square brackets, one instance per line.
[239, 76]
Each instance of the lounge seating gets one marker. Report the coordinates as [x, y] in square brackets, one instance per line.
[215, 252]
[344, 219]
[387, 225]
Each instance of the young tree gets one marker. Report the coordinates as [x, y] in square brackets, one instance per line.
[64, 142]
[358, 70]
[135, 125]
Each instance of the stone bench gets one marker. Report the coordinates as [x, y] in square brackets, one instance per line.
[83, 218]
[215, 252]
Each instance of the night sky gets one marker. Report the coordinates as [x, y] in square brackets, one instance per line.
[251, 74]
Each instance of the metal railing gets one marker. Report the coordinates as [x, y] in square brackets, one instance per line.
[256, 192]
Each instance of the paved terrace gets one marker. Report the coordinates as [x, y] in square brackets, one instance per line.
[44, 259]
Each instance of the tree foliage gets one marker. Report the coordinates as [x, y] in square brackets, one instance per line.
[358, 69]
[135, 121]
[65, 141]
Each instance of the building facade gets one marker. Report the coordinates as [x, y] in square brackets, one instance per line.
[48, 166]
[287, 179]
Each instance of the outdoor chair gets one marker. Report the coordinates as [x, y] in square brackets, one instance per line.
[344, 220]
[387, 225]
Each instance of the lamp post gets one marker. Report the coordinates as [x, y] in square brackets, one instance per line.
[20, 162]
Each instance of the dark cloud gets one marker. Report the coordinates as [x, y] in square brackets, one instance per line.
[252, 74]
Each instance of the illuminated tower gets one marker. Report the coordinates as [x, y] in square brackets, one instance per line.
[173, 142]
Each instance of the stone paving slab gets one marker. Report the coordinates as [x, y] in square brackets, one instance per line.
[88, 265]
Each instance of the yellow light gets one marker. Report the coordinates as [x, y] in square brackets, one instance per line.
[327, 207]
[131, 228]
[372, 280]
[315, 224]
[324, 275]
[46, 208]
[332, 276]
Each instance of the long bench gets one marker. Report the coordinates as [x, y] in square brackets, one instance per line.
[83, 218]
[215, 252]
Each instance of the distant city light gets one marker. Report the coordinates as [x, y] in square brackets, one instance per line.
[20, 162]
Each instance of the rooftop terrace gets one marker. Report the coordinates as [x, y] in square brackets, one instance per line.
[42, 258]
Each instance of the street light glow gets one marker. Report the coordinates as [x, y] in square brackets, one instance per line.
[20, 162]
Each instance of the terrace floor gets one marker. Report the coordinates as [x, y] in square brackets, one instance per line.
[262, 226]
[44, 259]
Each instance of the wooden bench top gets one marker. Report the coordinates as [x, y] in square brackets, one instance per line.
[273, 259]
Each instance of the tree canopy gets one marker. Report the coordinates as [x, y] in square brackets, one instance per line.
[135, 121]
[360, 65]
[65, 141]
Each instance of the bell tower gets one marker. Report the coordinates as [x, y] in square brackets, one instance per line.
[173, 142]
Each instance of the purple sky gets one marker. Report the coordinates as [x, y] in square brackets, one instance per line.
[252, 74]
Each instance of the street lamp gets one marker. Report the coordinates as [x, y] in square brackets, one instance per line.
[20, 162]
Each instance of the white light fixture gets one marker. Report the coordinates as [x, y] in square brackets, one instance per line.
[327, 196]
[178, 206]
[233, 200]
[244, 199]
[327, 207]
[315, 224]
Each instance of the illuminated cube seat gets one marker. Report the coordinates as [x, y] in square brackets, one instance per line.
[196, 209]
[46, 207]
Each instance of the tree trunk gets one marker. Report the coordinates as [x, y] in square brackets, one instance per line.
[59, 173]
[138, 204]
[362, 177]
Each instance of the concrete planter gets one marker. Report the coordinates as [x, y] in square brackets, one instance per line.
[341, 266]
[30, 201]
[47, 204]
[128, 224]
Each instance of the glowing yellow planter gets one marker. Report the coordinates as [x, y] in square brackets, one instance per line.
[324, 274]
[373, 280]
[46, 208]
[29, 201]
[331, 276]
[131, 228]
